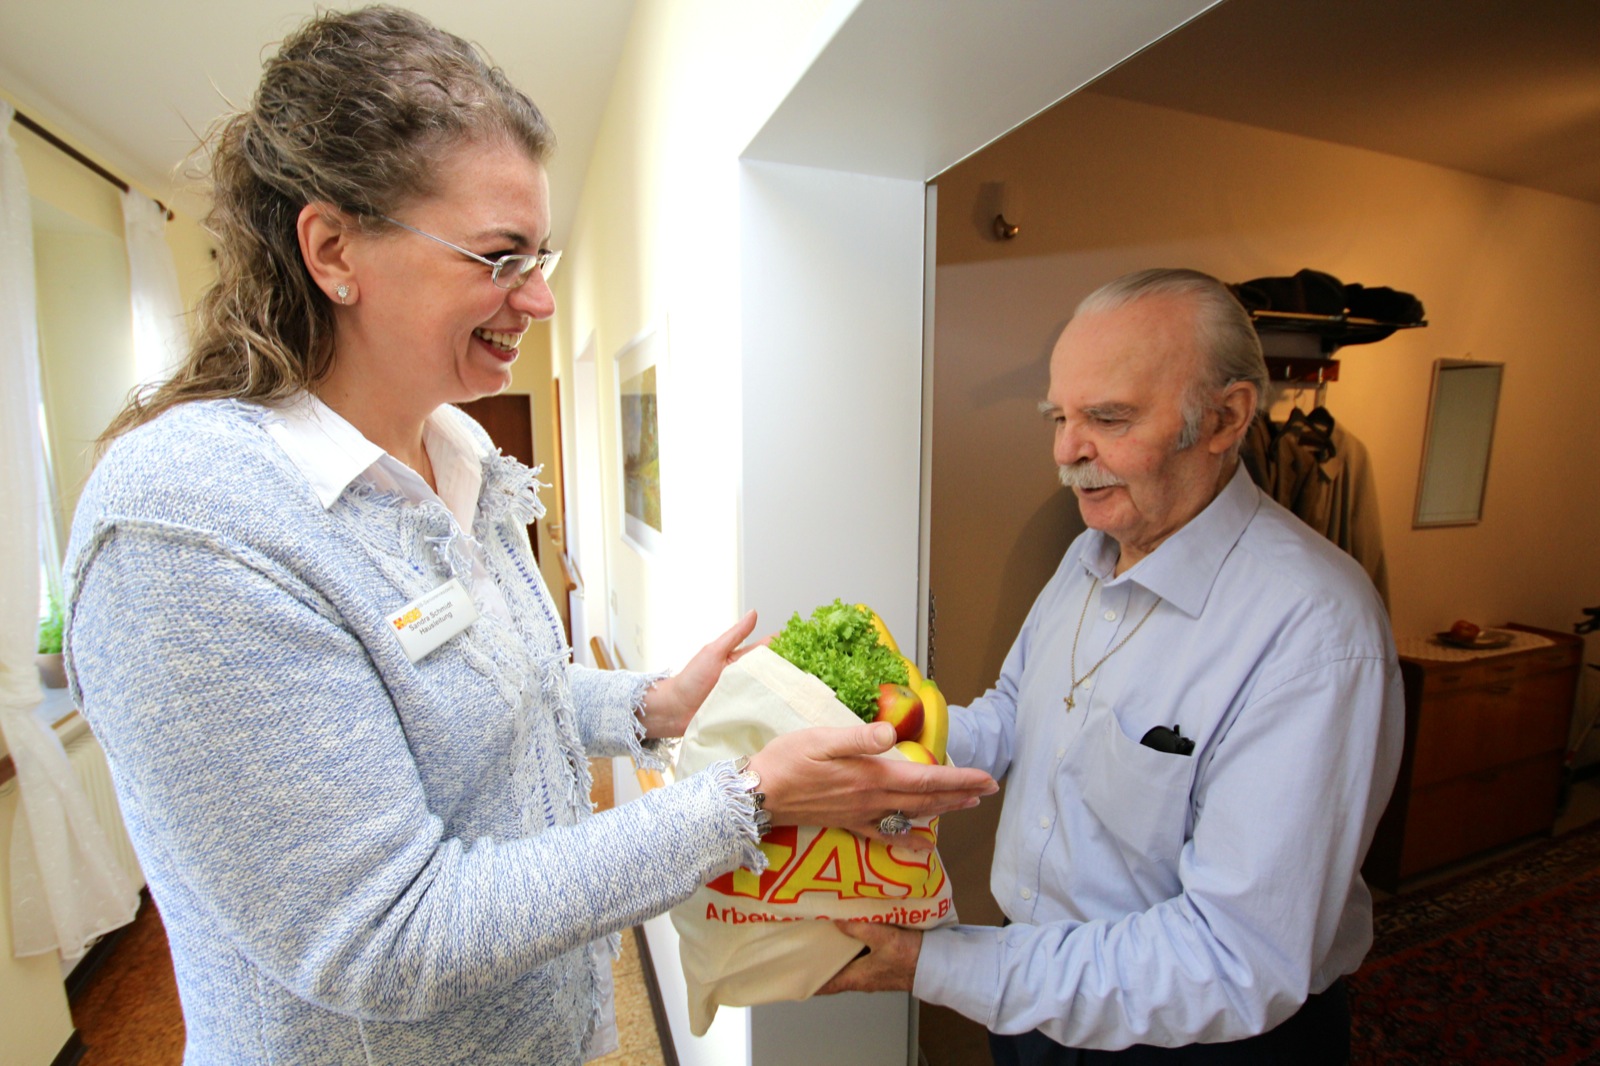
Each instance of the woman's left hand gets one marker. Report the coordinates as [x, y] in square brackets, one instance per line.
[672, 701]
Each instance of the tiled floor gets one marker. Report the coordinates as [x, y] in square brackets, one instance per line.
[637, 1041]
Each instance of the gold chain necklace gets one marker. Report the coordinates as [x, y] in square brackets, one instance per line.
[1076, 681]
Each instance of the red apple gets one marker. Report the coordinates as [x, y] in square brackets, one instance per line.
[916, 752]
[1464, 631]
[901, 708]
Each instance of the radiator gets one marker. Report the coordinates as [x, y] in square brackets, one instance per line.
[84, 753]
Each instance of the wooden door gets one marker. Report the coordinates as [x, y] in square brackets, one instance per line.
[508, 419]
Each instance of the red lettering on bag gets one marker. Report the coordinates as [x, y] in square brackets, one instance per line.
[834, 851]
[834, 863]
[779, 846]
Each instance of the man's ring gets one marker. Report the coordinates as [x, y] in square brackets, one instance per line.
[894, 824]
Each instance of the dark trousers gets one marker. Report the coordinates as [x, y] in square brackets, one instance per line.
[1318, 1034]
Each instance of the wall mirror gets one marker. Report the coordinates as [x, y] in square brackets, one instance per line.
[1455, 446]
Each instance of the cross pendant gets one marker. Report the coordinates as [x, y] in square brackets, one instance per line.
[1070, 701]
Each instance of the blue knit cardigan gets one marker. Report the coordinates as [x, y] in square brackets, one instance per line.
[360, 859]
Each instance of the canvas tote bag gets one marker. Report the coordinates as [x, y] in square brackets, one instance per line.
[748, 938]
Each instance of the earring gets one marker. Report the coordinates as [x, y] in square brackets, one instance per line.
[344, 293]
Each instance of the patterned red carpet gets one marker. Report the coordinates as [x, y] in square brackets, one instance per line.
[1501, 965]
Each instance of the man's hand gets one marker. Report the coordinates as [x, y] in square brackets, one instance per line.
[889, 966]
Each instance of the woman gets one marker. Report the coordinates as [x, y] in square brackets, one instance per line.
[308, 631]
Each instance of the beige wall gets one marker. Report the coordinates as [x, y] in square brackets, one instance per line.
[655, 246]
[85, 346]
[1102, 186]
[85, 322]
[86, 369]
[531, 375]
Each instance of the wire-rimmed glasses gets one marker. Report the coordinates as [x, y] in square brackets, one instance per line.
[508, 271]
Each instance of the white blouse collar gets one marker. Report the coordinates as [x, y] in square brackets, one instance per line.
[331, 453]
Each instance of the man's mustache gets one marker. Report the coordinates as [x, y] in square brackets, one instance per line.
[1085, 474]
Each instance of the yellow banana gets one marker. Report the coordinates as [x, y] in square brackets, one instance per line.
[912, 672]
[883, 631]
[935, 735]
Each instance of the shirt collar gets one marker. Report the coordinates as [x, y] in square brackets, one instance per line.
[457, 462]
[1185, 565]
[330, 453]
[327, 450]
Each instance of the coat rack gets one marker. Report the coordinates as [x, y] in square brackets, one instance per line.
[1332, 332]
[1289, 370]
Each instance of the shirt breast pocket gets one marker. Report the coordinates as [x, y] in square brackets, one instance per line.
[1138, 794]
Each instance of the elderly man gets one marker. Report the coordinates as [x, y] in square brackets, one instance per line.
[1200, 722]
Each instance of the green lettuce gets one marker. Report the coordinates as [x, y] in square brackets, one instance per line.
[839, 646]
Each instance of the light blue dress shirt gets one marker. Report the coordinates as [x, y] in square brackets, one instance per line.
[1169, 899]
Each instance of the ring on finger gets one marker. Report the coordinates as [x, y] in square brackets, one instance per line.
[894, 824]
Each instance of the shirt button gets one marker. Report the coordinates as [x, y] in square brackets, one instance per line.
[1061, 753]
[1044, 823]
[1026, 894]
[1111, 616]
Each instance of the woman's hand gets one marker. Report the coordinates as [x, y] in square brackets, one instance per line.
[828, 776]
[672, 701]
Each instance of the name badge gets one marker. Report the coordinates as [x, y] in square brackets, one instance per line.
[431, 619]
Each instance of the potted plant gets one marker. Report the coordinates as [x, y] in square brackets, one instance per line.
[51, 670]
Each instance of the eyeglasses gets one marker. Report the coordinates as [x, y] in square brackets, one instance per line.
[508, 271]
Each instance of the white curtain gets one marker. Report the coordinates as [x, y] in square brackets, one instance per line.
[67, 889]
[158, 334]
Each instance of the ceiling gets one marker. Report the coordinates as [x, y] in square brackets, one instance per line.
[1505, 90]
[905, 89]
[133, 81]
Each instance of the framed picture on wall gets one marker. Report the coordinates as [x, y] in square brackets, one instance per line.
[639, 444]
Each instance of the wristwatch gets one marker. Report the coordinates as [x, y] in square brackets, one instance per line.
[750, 782]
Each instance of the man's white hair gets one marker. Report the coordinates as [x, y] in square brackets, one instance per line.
[1228, 340]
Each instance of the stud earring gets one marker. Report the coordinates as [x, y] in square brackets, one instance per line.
[344, 293]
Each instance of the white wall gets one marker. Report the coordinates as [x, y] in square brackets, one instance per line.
[832, 399]
[832, 408]
[656, 244]
[585, 486]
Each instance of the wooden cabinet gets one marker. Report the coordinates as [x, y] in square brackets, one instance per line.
[1482, 764]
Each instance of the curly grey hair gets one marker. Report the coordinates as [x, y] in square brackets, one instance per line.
[356, 110]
